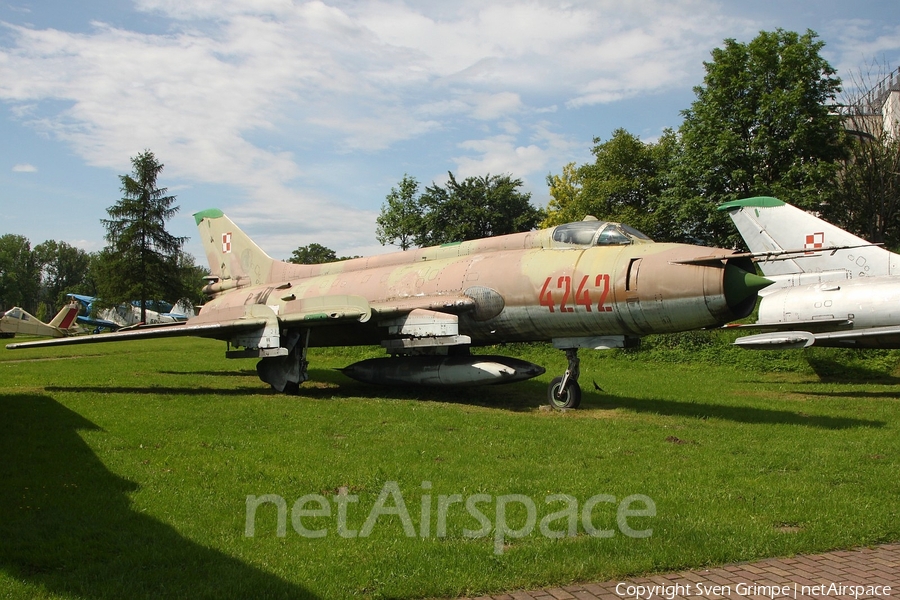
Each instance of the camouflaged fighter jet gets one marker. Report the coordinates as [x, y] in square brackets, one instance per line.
[831, 288]
[588, 284]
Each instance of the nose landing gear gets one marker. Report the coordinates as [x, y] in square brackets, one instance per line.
[564, 392]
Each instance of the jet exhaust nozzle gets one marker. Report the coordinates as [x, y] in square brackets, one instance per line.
[741, 287]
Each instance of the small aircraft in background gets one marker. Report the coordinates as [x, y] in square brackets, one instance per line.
[831, 288]
[17, 320]
[124, 315]
[589, 284]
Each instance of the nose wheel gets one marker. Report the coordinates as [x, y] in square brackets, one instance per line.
[564, 392]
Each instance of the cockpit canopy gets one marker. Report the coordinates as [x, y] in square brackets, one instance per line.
[592, 232]
[16, 313]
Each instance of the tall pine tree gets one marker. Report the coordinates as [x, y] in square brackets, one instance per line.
[141, 259]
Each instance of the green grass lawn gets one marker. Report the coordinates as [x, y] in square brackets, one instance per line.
[126, 469]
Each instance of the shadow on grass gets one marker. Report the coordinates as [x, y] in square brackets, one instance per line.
[235, 373]
[163, 390]
[524, 396]
[529, 395]
[68, 528]
[740, 414]
[840, 372]
[886, 395]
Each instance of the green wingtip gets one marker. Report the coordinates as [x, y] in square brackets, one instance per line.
[209, 213]
[760, 201]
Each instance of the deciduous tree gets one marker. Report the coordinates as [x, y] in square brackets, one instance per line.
[762, 124]
[20, 273]
[64, 270]
[477, 207]
[400, 221]
[623, 184]
[313, 254]
[474, 208]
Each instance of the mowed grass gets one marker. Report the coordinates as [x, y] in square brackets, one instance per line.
[125, 472]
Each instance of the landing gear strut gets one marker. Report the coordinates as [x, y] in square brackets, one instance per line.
[285, 373]
[564, 392]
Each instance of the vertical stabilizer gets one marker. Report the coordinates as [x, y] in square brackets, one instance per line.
[65, 318]
[233, 257]
[770, 225]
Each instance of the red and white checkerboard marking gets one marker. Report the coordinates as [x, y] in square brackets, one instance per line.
[226, 243]
[814, 241]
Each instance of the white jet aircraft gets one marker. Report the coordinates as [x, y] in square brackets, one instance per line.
[831, 287]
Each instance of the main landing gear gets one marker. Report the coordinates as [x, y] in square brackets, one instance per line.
[564, 392]
[288, 369]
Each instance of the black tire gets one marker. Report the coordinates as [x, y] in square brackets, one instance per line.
[292, 388]
[570, 397]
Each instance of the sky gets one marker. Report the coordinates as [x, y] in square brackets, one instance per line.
[296, 118]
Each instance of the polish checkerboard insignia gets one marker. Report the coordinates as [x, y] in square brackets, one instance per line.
[814, 241]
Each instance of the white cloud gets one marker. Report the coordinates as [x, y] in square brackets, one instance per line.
[24, 168]
[856, 45]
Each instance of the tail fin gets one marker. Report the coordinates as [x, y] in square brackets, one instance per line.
[233, 257]
[65, 318]
[768, 224]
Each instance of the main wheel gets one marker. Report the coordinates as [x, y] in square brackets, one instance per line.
[567, 398]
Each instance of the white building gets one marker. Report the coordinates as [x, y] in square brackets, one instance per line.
[878, 111]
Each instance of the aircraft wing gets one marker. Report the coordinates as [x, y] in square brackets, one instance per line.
[98, 323]
[873, 337]
[223, 323]
[149, 331]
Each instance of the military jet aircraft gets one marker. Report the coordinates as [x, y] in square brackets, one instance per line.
[589, 284]
[831, 287]
[17, 320]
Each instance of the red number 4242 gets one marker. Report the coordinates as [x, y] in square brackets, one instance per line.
[570, 299]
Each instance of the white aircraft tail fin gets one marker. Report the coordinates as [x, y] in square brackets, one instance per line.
[65, 318]
[770, 225]
[234, 259]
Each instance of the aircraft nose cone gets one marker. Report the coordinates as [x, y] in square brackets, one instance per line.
[740, 284]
